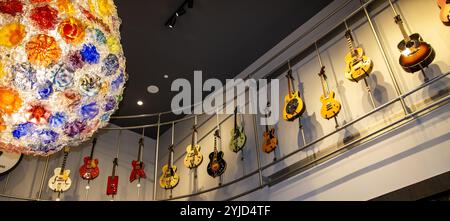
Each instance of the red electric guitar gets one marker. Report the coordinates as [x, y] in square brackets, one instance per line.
[113, 180]
[90, 170]
[138, 171]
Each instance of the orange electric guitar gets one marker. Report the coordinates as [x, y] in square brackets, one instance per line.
[270, 139]
[444, 5]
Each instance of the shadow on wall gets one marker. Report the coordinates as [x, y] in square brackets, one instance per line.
[418, 148]
[440, 88]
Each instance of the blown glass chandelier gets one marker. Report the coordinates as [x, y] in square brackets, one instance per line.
[62, 72]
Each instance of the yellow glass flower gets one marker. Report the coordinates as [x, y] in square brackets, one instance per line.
[12, 34]
[105, 7]
[10, 101]
[113, 45]
[43, 50]
[65, 6]
[2, 72]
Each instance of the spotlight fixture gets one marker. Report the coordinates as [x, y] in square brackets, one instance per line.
[179, 12]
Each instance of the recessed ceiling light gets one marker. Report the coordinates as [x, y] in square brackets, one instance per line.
[166, 76]
[140, 103]
[153, 89]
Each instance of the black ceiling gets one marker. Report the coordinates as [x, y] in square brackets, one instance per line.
[220, 38]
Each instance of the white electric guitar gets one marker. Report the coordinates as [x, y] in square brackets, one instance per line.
[8, 161]
[61, 182]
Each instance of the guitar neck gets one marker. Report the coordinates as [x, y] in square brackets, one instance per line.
[401, 25]
[324, 89]
[267, 126]
[235, 119]
[63, 166]
[350, 46]
[94, 142]
[114, 167]
[141, 147]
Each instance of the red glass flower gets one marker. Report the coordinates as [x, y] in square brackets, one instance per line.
[71, 30]
[38, 114]
[39, 1]
[11, 7]
[44, 17]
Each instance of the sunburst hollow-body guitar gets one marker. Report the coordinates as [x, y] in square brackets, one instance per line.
[217, 164]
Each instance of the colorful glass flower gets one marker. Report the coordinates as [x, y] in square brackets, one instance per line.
[12, 34]
[24, 76]
[111, 104]
[62, 78]
[100, 36]
[45, 90]
[71, 30]
[10, 101]
[2, 123]
[90, 54]
[90, 85]
[38, 114]
[11, 7]
[43, 50]
[44, 17]
[111, 64]
[74, 128]
[65, 6]
[74, 61]
[72, 98]
[47, 136]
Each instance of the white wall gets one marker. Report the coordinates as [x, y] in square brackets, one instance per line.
[366, 172]
[24, 181]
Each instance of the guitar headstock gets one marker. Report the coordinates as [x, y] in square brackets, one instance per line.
[141, 142]
[289, 74]
[171, 148]
[217, 134]
[116, 161]
[322, 72]
[66, 149]
[398, 19]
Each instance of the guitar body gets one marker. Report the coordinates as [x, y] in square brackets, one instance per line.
[416, 54]
[113, 184]
[60, 182]
[238, 139]
[293, 106]
[138, 171]
[8, 161]
[89, 170]
[217, 164]
[270, 141]
[169, 178]
[330, 106]
[193, 157]
[444, 5]
[358, 65]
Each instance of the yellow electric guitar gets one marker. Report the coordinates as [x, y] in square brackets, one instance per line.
[358, 65]
[330, 106]
[193, 157]
[444, 5]
[169, 178]
[293, 104]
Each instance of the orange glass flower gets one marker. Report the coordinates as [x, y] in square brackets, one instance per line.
[71, 30]
[43, 50]
[10, 101]
[40, 1]
[12, 34]
[65, 6]
[2, 123]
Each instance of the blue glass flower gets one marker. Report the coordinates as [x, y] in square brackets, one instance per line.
[115, 84]
[110, 104]
[57, 119]
[23, 130]
[90, 54]
[89, 111]
[100, 36]
[111, 65]
[45, 90]
[48, 136]
[105, 117]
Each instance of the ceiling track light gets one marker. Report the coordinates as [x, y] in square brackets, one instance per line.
[179, 12]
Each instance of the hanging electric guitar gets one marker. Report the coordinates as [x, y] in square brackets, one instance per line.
[415, 53]
[217, 164]
[330, 106]
[169, 178]
[113, 180]
[61, 182]
[359, 65]
[90, 170]
[8, 161]
[270, 140]
[444, 5]
[293, 104]
[238, 137]
[193, 157]
[138, 171]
